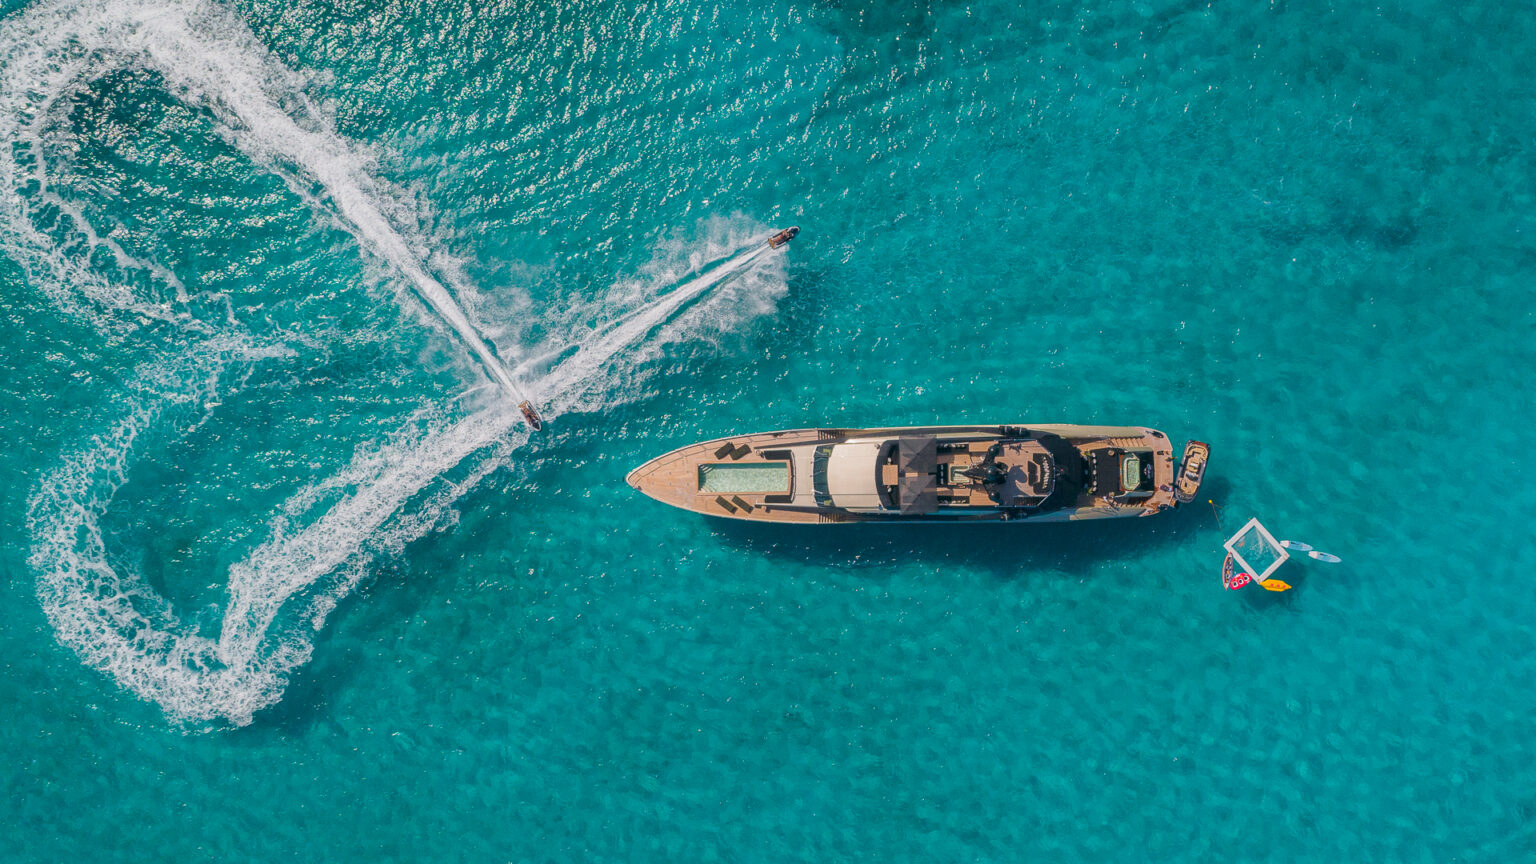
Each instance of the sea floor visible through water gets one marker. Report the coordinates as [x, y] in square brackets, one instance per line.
[286, 578]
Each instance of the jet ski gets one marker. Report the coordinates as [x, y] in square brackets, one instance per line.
[782, 237]
[530, 416]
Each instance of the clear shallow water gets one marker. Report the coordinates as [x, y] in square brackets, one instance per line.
[327, 607]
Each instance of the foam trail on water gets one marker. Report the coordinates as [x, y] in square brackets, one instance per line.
[42, 61]
[385, 480]
[115, 620]
[207, 57]
[290, 563]
[606, 343]
[226, 68]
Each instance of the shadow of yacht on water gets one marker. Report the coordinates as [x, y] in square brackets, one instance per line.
[1005, 550]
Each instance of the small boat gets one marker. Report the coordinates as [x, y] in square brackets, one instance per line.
[782, 237]
[1191, 471]
[530, 416]
[943, 474]
[1230, 579]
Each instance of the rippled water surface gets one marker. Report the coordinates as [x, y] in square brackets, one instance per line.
[286, 579]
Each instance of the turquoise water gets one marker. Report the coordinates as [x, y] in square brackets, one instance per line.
[285, 579]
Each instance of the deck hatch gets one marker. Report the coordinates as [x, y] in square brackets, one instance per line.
[744, 477]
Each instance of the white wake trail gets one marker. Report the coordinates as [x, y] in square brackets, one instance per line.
[220, 64]
[208, 58]
[117, 623]
[592, 355]
[205, 56]
[45, 55]
[217, 71]
[391, 494]
[385, 480]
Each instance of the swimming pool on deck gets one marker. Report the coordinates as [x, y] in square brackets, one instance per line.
[750, 477]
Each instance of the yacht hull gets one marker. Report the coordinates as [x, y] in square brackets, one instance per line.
[920, 474]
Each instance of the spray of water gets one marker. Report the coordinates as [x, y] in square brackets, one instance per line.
[210, 59]
[114, 620]
[391, 494]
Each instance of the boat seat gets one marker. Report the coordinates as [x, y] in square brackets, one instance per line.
[724, 450]
[740, 451]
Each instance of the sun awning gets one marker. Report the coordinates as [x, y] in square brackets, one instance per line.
[917, 460]
[918, 493]
[917, 455]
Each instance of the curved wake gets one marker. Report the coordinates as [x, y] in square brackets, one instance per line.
[281, 593]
